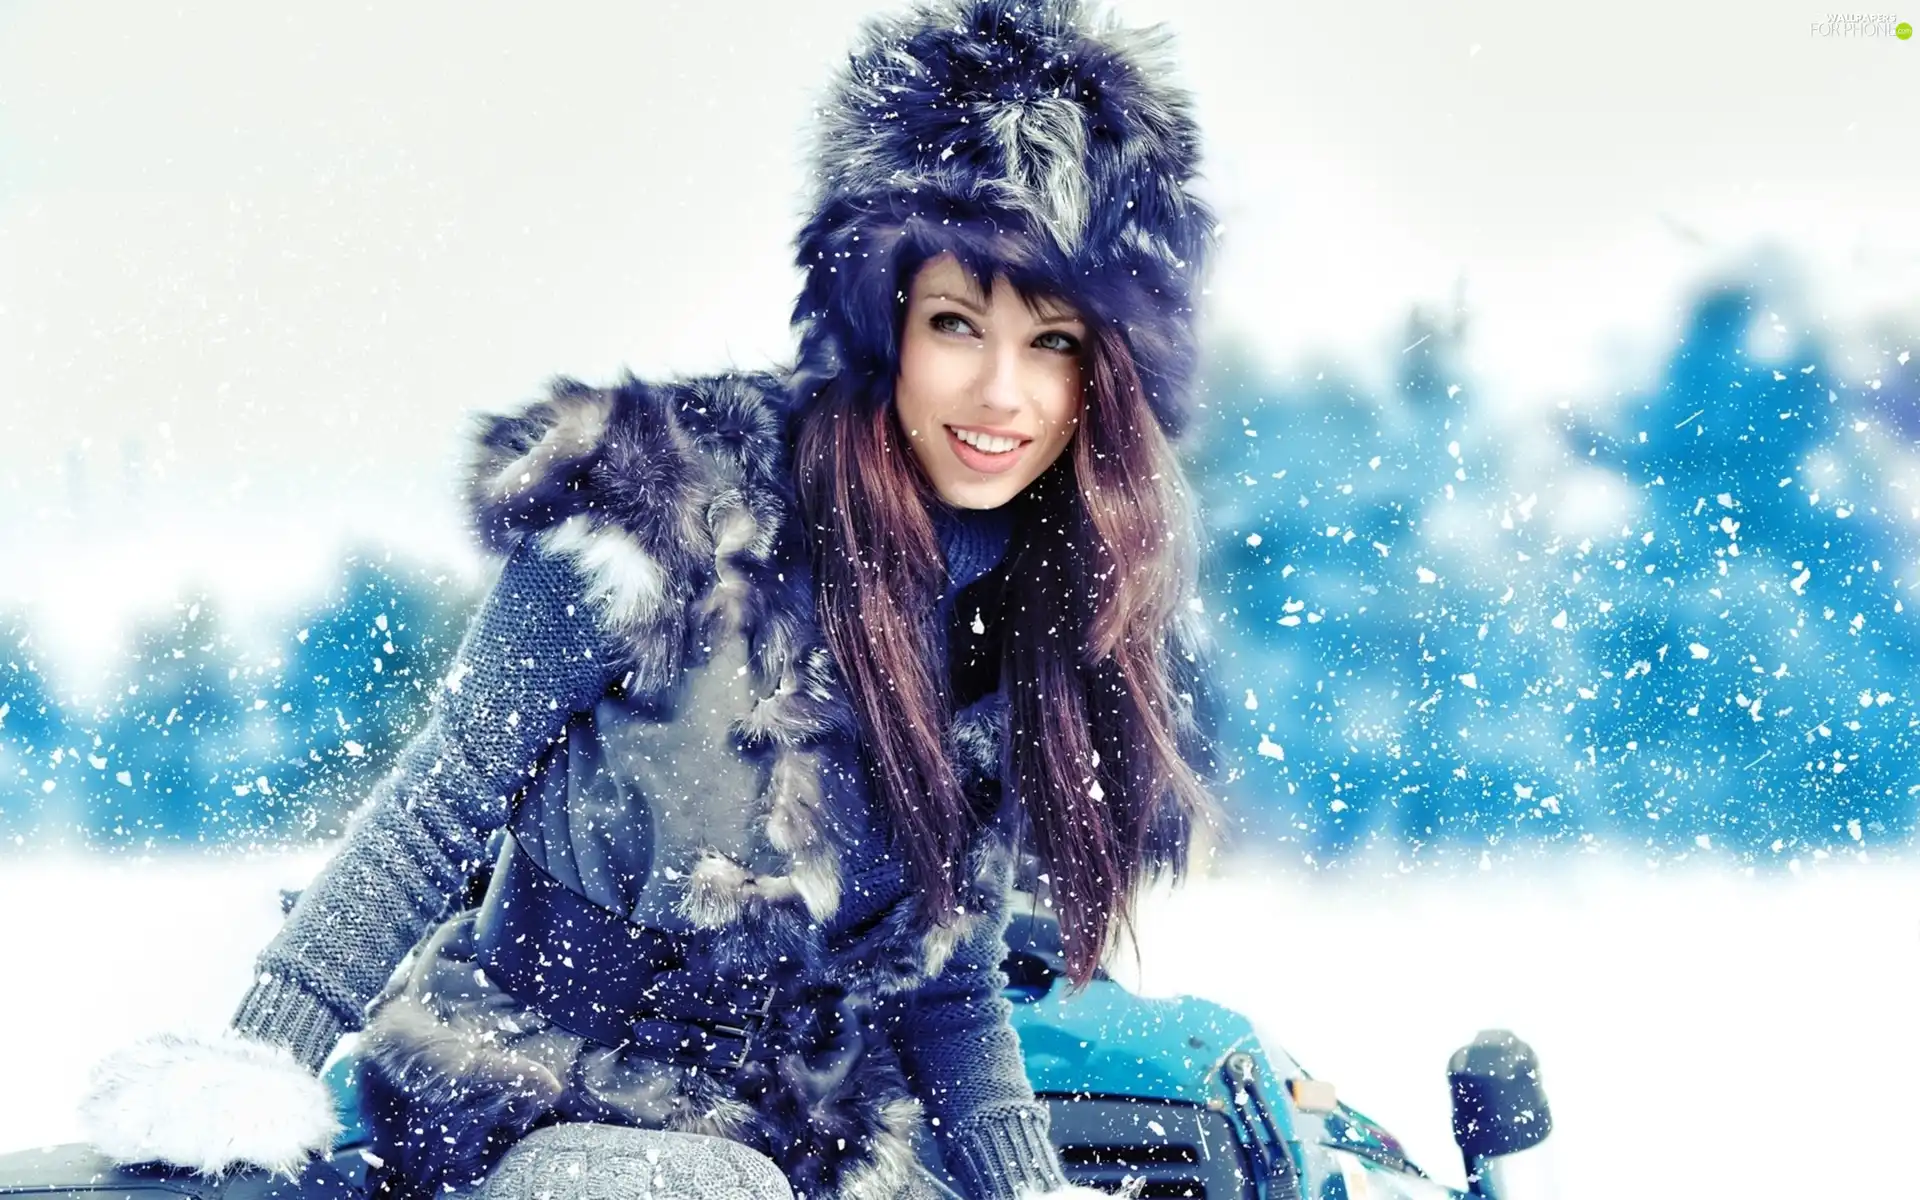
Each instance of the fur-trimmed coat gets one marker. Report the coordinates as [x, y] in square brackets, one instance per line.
[654, 577]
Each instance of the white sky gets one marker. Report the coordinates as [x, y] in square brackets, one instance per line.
[256, 261]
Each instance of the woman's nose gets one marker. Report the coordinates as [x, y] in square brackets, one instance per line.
[1002, 388]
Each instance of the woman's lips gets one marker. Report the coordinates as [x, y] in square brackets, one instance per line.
[980, 460]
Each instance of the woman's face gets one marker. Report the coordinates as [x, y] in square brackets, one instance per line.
[989, 393]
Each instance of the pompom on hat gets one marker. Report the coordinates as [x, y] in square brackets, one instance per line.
[1033, 140]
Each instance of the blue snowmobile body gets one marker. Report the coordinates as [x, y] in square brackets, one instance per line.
[1178, 1092]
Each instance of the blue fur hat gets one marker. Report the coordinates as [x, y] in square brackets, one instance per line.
[1032, 141]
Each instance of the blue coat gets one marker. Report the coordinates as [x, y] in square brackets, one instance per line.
[653, 578]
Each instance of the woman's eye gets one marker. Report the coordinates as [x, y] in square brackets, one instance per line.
[947, 322]
[1066, 343]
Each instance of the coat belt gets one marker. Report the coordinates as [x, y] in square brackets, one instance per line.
[597, 975]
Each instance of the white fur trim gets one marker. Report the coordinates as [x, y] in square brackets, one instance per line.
[717, 891]
[579, 422]
[816, 880]
[893, 1157]
[734, 529]
[944, 938]
[794, 826]
[208, 1104]
[626, 581]
[1044, 144]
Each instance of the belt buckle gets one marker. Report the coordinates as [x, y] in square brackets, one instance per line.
[754, 1022]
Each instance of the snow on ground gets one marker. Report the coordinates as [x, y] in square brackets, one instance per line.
[1700, 1033]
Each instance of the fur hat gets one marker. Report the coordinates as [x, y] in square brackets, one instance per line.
[1029, 139]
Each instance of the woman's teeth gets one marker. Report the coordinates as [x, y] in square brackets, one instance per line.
[989, 445]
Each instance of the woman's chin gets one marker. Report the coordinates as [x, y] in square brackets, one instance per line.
[979, 493]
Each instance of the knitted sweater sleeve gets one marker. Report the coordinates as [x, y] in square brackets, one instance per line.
[531, 656]
[963, 1059]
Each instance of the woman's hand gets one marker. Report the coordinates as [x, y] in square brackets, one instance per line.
[208, 1104]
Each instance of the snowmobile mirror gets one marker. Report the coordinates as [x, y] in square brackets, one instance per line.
[1029, 977]
[1499, 1105]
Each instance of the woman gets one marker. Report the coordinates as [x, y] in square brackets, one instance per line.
[778, 671]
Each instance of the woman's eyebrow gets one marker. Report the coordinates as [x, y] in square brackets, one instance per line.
[962, 301]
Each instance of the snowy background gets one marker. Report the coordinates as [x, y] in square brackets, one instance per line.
[1560, 456]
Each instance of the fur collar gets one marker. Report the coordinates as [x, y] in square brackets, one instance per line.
[651, 490]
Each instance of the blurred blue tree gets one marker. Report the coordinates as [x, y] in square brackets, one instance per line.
[1422, 666]
[38, 768]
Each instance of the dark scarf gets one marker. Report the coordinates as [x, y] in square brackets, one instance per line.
[974, 541]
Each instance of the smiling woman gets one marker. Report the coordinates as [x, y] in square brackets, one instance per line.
[757, 794]
[988, 393]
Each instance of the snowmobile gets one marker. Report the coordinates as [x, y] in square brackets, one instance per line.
[1178, 1094]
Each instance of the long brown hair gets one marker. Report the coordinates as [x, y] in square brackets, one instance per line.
[1103, 560]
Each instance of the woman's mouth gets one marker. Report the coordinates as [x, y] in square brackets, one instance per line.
[985, 453]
